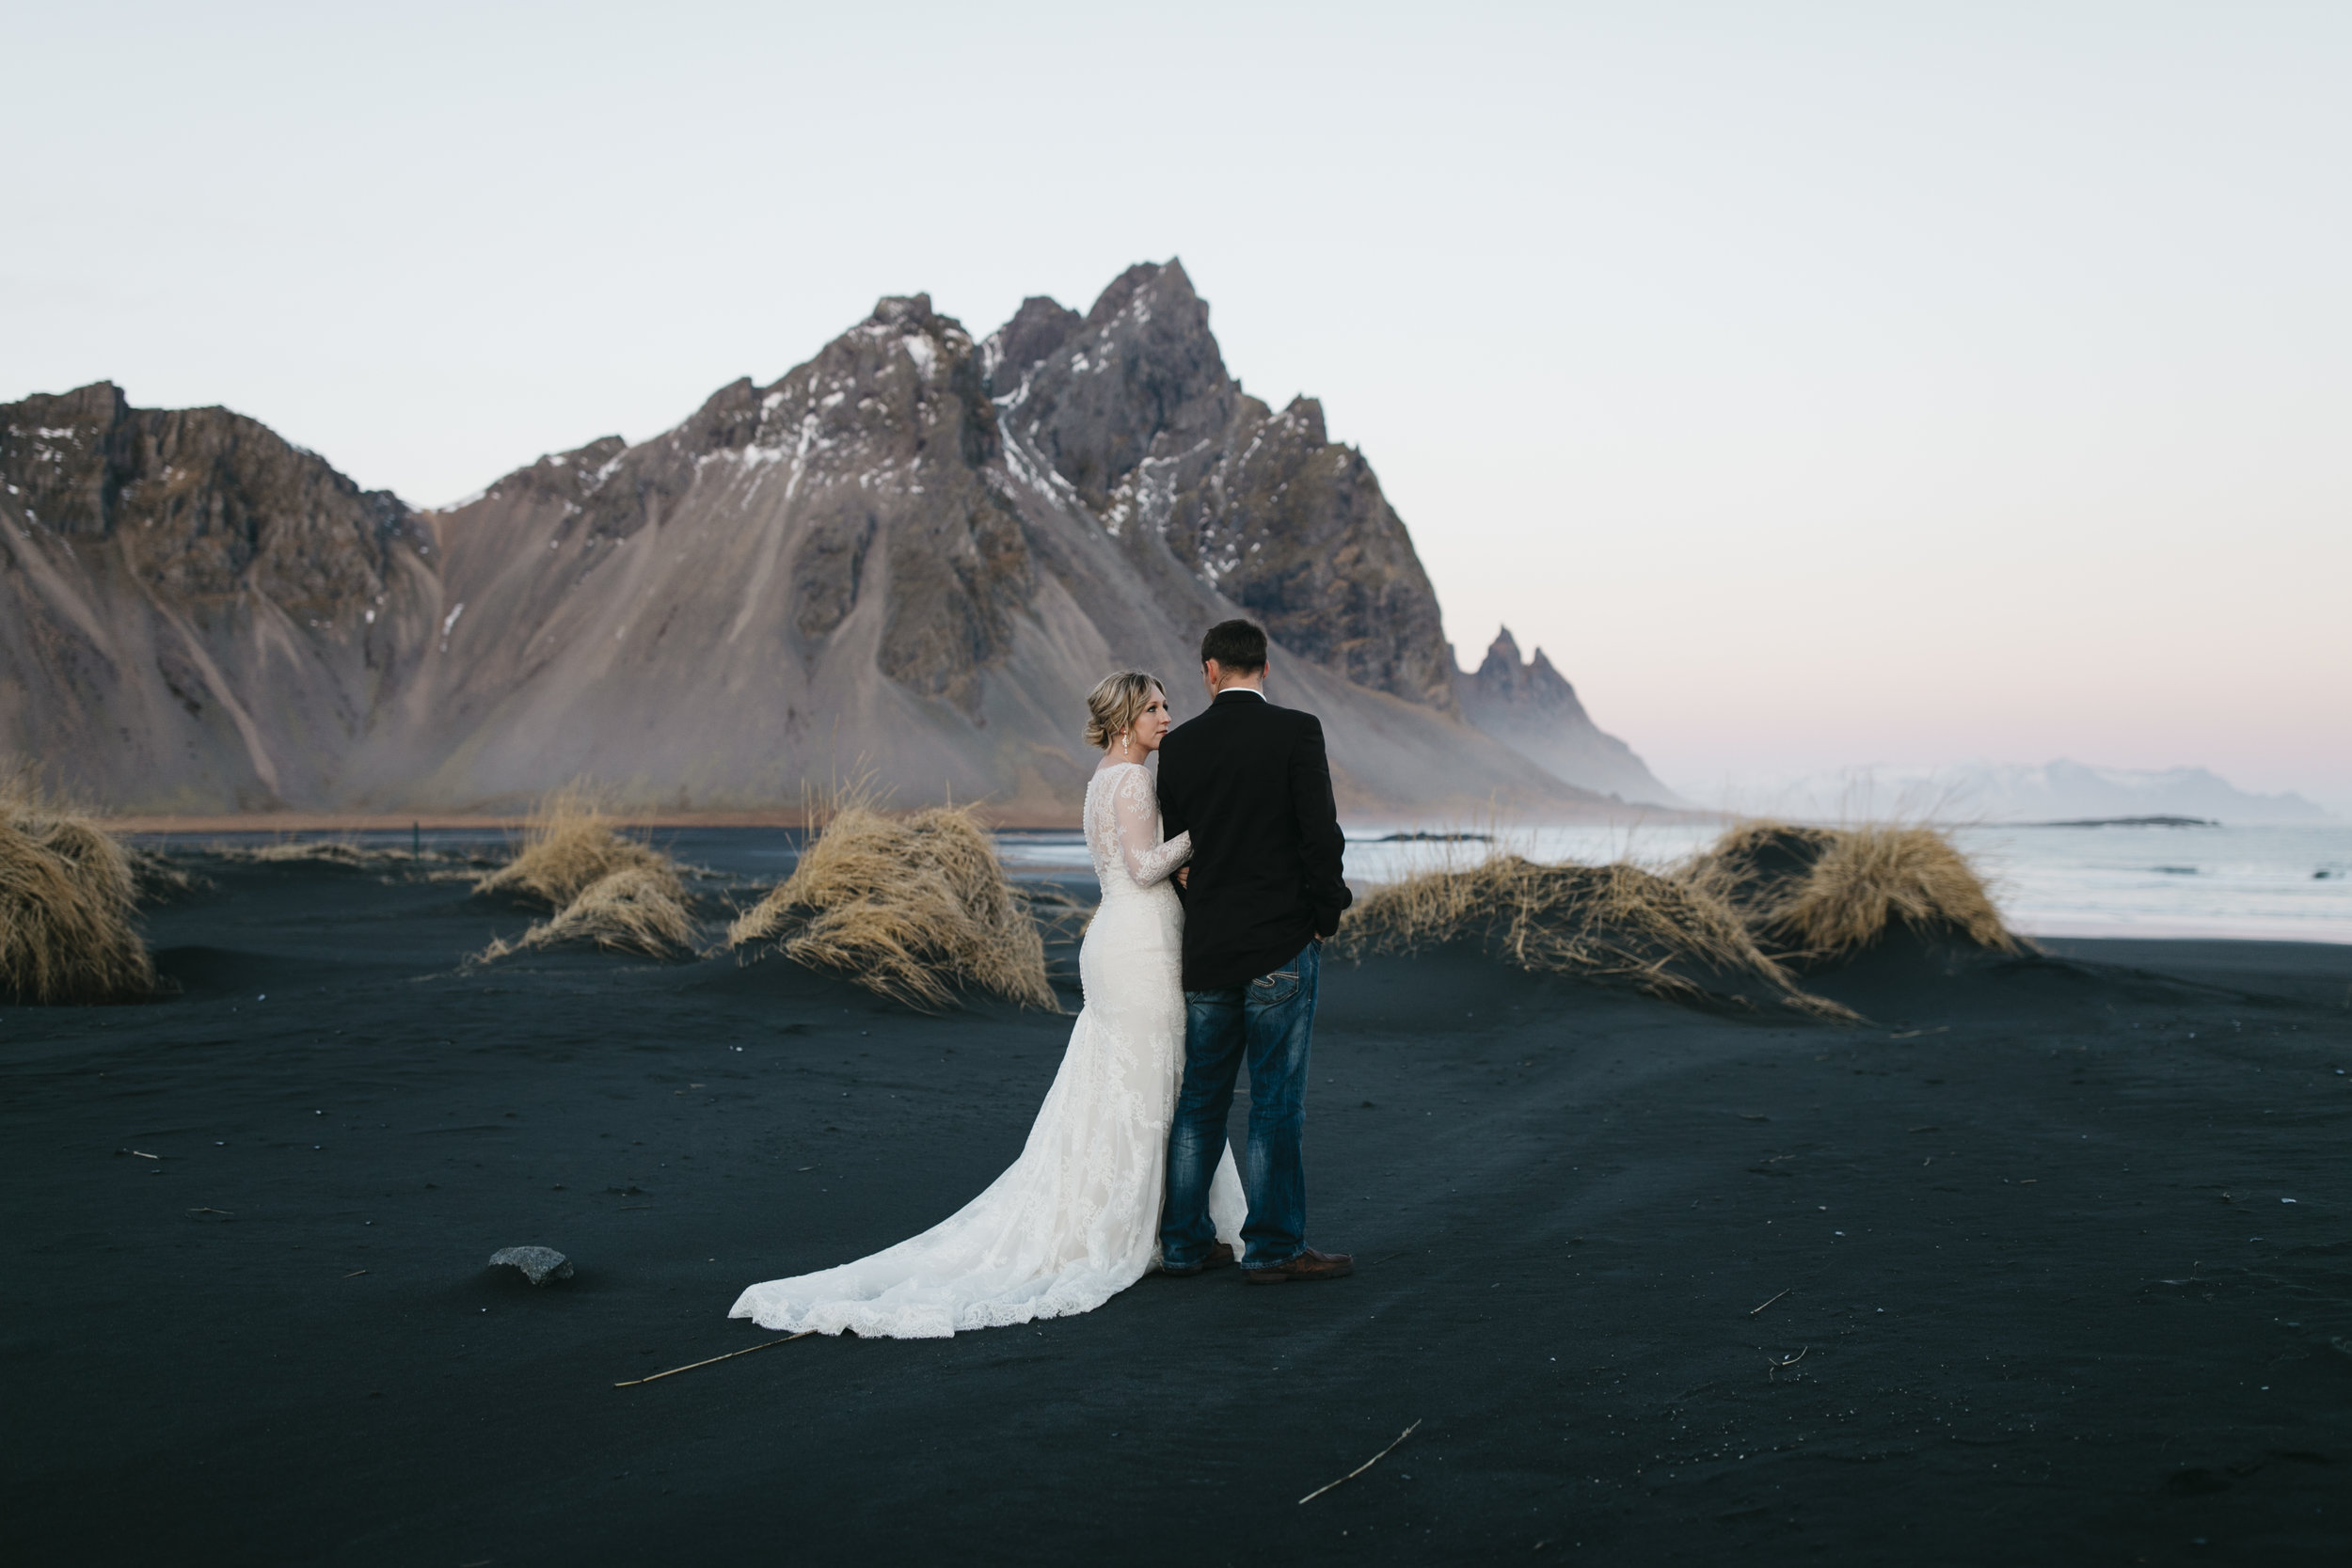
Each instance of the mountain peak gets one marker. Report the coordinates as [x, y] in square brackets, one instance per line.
[1140, 373]
[99, 401]
[1040, 326]
[1143, 287]
[1530, 707]
[1132, 413]
[903, 310]
[1304, 415]
[1502, 680]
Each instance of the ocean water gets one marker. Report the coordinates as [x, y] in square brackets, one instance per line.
[2277, 884]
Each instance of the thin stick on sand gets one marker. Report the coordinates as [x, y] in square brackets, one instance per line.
[714, 1360]
[1754, 1310]
[1361, 1468]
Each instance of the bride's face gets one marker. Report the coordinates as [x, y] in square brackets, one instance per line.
[1152, 723]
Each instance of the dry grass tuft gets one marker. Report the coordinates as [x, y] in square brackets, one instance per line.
[1616, 924]
[1059, 916]
[1819, 895]
[1757, 867]
[606, 890]
[352, 856]
[634, 910]
[307, 851]
[911, 908]
[158, 878]
[568, 847]
[67, 896]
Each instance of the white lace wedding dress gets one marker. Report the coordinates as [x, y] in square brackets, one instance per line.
[1077, 1219]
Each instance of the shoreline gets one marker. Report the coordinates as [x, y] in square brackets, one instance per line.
[192, 835]
[1012, 820]
[732, 841]
[2329, 935]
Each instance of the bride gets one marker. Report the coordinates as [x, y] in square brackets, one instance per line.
[1076, 1220]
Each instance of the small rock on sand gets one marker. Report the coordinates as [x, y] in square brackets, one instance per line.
[539, 1264]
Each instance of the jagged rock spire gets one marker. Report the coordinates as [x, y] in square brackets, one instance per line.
[1535, 685]
[1132, 409]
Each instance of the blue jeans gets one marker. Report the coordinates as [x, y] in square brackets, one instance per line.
[1271, 1020]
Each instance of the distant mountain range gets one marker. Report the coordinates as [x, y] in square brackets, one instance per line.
[2010, 792]
[911, 554]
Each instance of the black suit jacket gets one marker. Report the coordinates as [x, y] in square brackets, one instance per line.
[1251, 783]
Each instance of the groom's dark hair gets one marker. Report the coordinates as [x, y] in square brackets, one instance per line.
[1238, 645]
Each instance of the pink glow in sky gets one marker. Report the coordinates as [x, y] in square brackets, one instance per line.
[1820, 384]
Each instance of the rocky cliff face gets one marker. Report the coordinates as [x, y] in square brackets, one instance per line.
[209, 504]
[1132, 409]
[1531, 709]
[910, 556]
[197, 613]
[802, 581]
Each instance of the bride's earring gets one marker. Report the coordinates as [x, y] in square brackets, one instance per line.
[1124, 755]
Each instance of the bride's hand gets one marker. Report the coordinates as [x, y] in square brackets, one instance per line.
[1184, 874]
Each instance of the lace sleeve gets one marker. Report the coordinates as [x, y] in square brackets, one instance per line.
[1136, 809]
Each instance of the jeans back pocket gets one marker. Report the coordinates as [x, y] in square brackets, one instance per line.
[1272, 989]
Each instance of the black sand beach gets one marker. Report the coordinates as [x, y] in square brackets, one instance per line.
[2051, 1255]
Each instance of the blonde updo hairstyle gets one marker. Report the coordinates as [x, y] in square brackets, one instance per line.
[1112, 706]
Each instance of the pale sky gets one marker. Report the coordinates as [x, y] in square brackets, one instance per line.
[1820, 384]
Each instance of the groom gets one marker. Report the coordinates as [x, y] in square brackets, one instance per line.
[1249, 782]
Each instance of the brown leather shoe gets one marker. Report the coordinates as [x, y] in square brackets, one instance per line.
[1308, 1264]
[1220, 1257]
